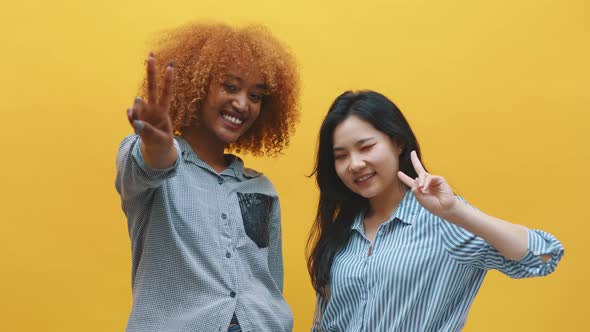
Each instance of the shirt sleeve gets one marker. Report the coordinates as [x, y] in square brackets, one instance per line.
[134, 175]
[467, 248]
[275, 250]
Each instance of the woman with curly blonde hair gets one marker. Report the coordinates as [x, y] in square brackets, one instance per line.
[205, 231]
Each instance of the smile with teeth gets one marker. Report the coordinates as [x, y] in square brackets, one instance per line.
[231, 119]
[364, 177]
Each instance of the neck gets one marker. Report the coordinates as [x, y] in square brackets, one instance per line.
[209, 150]
[383, 206]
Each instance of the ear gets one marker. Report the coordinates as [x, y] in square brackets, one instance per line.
[400, 147]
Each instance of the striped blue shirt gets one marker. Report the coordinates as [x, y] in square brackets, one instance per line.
[422, 274]
[205, 245]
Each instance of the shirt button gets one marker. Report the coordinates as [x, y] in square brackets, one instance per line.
[228, 254]
[232, 294]
[224, 216]
[220, 181]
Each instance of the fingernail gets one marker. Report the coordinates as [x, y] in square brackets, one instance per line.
[138, 125]
[171, 64]
[138, 99]
[151, 54]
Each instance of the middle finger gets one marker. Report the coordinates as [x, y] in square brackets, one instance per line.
[151, 79]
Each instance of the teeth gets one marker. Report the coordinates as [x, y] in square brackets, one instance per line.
[364, 178]
[232, 119]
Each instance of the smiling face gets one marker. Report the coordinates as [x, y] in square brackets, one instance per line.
[233, 103]
[365, 159]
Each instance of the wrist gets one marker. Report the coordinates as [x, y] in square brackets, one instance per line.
[159, 156]
[160, 148]
[457, 212]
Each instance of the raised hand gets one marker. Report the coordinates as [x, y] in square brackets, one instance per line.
[151, 119]
[432, 191]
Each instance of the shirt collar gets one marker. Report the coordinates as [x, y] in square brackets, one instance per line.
[235, 168]
[407, 209]
[405, 212]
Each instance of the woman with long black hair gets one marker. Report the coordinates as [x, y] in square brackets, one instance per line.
[392, 247]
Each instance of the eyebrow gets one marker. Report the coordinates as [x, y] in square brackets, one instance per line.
[260, 86]
[359, 142]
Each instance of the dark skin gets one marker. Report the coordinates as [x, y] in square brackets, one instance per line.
[232, 104]
[151, 120]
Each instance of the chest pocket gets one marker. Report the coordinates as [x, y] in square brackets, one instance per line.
[255, 210]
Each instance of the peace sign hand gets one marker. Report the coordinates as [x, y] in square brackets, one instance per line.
[151, 120]
[432, 191]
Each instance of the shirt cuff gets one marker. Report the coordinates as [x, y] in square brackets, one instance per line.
[542, 243]
[154, 173]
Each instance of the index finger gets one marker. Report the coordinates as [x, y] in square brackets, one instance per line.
[167, 89]
[416, 163]
[408, 181]
[151, 79]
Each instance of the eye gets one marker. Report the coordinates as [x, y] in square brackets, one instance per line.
[367, 147]
[231, 88]
[255, 97]
[339, 156]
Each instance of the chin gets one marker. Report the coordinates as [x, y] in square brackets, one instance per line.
[229, 141]
[368, 194]
[227, 138]
[364, 194]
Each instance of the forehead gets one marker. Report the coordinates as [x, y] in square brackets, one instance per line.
[352, 130]
[246, 72]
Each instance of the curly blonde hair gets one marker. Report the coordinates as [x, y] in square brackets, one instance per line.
[202, 51]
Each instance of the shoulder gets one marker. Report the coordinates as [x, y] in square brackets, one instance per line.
[256, 181]
[250, 173]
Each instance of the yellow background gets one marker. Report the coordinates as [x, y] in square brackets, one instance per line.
[497, 92]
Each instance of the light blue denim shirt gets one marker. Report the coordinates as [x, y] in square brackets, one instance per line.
[421, 274]
[205, 245]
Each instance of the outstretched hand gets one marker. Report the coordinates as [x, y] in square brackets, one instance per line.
[432, 191]
[150, 119]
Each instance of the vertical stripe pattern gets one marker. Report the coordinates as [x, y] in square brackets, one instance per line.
[422, 274]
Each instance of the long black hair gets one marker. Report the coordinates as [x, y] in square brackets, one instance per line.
[338, 205]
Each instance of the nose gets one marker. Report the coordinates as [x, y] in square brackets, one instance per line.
[240, 102]
[356, 163]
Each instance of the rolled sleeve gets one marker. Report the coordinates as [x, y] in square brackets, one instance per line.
[153, 174]
[134, 175]
[469, 249]
[540, 243]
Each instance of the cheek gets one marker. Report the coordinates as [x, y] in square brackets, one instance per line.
[340, 171]
[215, 91]
[255, 110]
[212, 101]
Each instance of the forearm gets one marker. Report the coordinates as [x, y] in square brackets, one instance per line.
[159, 156]
[511, 240]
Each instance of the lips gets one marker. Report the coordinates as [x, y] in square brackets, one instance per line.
[364, 178]
[234, 120]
